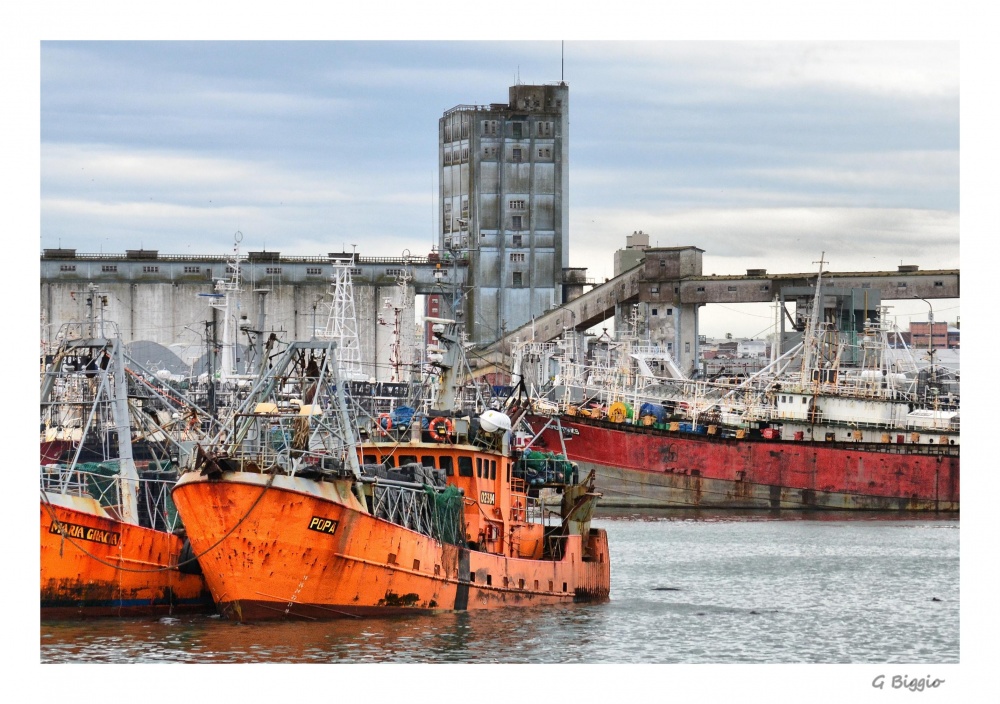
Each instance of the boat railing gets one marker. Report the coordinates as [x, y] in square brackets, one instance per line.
[102, 483]
[437, 514]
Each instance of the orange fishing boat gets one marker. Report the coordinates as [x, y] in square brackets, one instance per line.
[95, 564]
[292, 515]
[110, 540]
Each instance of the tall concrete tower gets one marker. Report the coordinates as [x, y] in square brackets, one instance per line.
[503, 206]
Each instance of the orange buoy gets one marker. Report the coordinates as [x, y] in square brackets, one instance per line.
[440, 429]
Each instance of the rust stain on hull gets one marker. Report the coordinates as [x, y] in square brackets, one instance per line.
[270, 564]
[644, 467]
[103, 567]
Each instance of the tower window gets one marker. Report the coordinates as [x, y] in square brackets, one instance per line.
[516, 204]
[516, 239]
[516, 279]
[517, 256]
[517, 129]
[516, 154]
[517, 223]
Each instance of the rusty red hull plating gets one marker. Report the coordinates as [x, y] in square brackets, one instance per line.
[642, 467]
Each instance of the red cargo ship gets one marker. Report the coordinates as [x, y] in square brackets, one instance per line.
[646, 466]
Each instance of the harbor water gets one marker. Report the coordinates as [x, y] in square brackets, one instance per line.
[687, 588]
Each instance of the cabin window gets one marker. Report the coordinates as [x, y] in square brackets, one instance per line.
[427, 460]
[493, 469]
[489, 580]
[369, 459]
[479, 467]
[446, 465]
[407, 459]
[389, 461]
[472, 576]
[464, 466]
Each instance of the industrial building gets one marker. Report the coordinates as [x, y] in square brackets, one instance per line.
[503, 206]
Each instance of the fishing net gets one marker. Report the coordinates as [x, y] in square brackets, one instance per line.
[447, 524]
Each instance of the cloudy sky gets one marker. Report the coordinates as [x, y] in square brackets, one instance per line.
[763, 154]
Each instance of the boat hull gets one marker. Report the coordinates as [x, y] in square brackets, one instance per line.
[638, 466]
[292, 548]
[94, 565]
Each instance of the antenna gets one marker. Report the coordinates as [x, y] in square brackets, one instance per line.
[562, 61]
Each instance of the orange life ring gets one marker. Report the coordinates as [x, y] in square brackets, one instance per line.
[384, 429]
[443, 434]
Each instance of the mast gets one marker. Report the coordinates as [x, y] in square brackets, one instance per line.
[226, 299]
[342, 322]
[808, 347]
